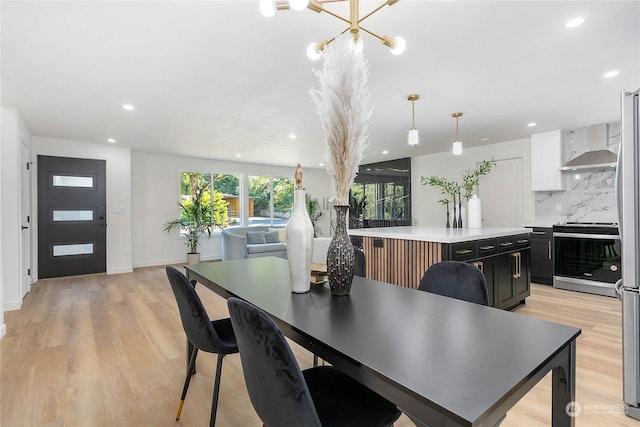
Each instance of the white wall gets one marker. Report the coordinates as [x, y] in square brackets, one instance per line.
[155, 191]
[425, 206]
[13, 132]
[118, 163]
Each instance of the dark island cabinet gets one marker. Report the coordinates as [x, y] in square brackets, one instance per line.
[505, 263]
[542, 255]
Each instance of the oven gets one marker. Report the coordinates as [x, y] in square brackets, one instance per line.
[587, 257]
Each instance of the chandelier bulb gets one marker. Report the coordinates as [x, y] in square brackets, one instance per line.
[298, 4]
[267, 8]
[399, 45]
[313, 51]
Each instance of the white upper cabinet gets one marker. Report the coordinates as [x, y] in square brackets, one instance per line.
[546, 159]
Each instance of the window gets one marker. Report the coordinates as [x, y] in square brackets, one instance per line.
[224, 199]
[226, 188]
[270, 200]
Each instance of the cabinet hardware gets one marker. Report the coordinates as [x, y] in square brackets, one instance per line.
[514, 269]
[487, 248]
[539, 233]
[506, 244]
[523, 241]
[463, 251]
[549, 245]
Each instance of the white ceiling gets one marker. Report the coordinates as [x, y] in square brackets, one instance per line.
[215, 79]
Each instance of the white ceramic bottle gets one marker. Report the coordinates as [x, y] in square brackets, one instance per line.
[299, 244]
[474, 212]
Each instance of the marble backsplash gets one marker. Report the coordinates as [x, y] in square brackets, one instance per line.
[589, 194]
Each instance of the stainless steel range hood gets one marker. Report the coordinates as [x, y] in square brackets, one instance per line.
[597, 154]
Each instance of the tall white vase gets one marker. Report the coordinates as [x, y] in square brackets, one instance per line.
[474, 212]
[299, 244]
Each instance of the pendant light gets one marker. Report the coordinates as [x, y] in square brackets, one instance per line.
[413, 138]
[457, 144]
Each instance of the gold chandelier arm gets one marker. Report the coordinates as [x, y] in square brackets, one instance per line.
[388, 2]
[384, 39]
[336, 16]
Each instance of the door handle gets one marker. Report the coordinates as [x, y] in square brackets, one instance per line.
[24, 227]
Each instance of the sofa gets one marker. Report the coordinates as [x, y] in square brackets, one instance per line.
[252, 242]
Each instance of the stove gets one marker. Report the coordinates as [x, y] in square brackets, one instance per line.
[587, 257]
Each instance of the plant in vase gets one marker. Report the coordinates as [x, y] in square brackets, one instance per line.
[195, 220]
[450, 189]
[342, 103]
[470, 180]
[315, 213]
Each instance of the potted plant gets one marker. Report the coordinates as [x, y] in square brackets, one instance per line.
[195, 221]
[314, 211]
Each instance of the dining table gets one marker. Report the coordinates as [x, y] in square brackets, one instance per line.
[443, 361]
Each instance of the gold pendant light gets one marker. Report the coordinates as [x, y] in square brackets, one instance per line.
[413, 138]
[457, 144]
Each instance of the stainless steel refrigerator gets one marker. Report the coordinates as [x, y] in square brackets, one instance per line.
[628, 288]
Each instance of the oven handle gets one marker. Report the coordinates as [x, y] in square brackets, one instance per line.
[588, 236]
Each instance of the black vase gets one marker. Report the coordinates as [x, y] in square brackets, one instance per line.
[340, 256]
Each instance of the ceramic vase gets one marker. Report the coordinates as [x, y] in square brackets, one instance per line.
[340, 256]
[474, 212]
[299, 244]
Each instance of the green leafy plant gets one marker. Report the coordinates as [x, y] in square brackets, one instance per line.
[195, 217]
[471, 178]
[314, 211]
[449, 188]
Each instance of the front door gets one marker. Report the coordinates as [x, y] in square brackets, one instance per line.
[71, 216]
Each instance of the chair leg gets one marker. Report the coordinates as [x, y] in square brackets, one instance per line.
[315, 360]
[190, 369]
[216, 391]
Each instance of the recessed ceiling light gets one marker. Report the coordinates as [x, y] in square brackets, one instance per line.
[385, 151]
[574, 22]
[610, 74]
[292, 135]
[238, 155]
[484, 139]
[532, 124]
[128, 107]
[320, 164]
[111, 141]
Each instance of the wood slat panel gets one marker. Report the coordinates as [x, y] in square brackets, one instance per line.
[400, 262]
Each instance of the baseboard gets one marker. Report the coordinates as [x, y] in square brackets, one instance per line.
[12, 305]
[120, 270]
[3, 330]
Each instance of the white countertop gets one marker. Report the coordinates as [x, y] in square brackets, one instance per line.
[438, 234]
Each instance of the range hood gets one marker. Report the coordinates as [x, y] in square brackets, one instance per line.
[597, 154]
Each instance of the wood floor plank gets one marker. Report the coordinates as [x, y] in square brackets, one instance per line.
[109, 350]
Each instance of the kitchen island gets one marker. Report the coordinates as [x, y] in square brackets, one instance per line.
[400, 255]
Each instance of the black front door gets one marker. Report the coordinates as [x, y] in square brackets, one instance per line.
[71, 216]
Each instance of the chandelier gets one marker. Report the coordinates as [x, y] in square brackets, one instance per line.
[396, 45]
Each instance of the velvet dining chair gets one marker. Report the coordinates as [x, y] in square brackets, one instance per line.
[455, 279]
[210, 336]
[284, 395]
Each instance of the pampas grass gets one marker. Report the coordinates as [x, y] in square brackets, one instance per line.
[342, 102]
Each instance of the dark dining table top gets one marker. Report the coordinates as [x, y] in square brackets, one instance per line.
[460, 358]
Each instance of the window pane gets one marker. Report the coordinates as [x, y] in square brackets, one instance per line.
[226, 200]
[72, 181]
[192, 186]
[66, 215]
[77, 249]
[270, 200]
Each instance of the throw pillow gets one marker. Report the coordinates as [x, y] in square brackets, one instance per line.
[282, 234]
[256, 238]
[272, 236]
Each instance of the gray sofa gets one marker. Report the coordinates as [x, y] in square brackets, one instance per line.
[252, 242]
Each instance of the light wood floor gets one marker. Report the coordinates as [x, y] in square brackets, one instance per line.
[109, 351]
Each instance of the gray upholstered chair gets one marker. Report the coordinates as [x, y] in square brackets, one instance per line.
[455, 279]
[211, 336]
[283, 395]
[243, 242]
